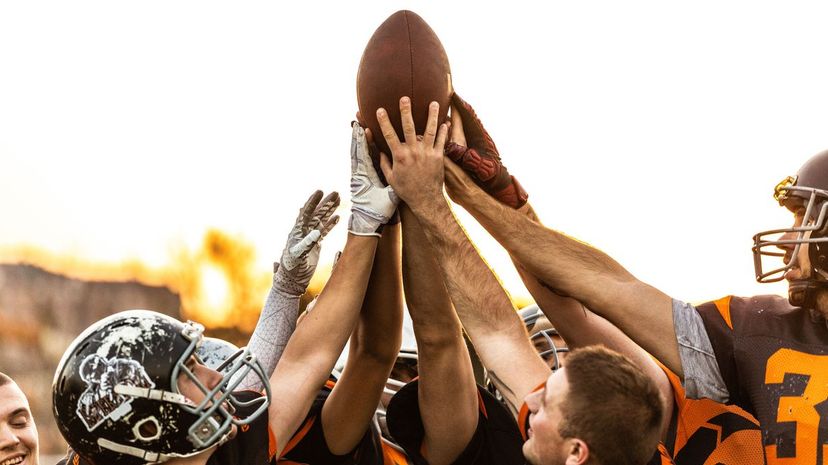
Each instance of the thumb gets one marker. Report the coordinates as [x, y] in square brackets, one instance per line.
[306, 243]
[301, 248]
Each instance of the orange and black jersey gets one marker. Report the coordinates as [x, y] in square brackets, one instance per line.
[72, 458]
[308, 445]
[773, 359]
[707, 432]
[254, 443]
[496, 440]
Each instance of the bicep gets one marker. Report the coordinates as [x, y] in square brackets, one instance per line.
[293, 388]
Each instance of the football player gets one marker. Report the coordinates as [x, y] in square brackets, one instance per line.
[338, 428]
[606, 411]
[18, 433]
[172, 408]
[692, 436]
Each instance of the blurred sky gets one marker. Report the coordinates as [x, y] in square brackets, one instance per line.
[654, 130]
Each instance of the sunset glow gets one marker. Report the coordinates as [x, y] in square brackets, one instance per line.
[132, 133]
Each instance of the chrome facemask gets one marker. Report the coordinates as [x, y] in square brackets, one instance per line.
[216, 411]
[552, 352]
[768, 243]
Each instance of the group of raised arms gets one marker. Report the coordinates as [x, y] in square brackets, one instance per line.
[604, 369]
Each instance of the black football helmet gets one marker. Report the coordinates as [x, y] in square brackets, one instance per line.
[805, 193]
[116, 398]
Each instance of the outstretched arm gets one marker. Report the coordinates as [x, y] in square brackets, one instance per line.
[441, 349]
[316, 344]
[374, 345]
[482, 305]
[291, 276]
[561, 263]
[574, 269]
[580, 327]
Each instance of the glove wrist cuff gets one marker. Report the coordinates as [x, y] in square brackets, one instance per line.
[362, 224]
[513, 195]
[286, 285]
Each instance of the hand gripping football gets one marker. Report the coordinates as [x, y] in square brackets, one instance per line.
[404, 57]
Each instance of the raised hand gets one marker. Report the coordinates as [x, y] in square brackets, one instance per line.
[372, 203]
[474, 150]
[316, 218]
[417, 173]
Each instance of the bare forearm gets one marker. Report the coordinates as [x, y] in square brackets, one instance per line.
[374, 346]
[337, 307]
[425, 292]
[308, 358]
[477, 295]
[569, 266]
[580, 327]
[377, 333]
[441, 348]
[484, 307]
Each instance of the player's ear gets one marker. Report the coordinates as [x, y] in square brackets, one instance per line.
[577, 452]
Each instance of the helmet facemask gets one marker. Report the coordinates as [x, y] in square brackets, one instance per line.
[548, 349]
[216, 410]
[786, 244]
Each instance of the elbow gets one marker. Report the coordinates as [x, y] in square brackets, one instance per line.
[379, 351]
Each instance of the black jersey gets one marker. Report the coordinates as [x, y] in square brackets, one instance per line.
[496, 440]
[308, 445]
[774, 361]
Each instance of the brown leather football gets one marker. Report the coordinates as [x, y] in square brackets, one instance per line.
[403, 58]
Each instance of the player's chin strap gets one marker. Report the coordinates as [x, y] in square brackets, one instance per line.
[805, 292]
[145, 455]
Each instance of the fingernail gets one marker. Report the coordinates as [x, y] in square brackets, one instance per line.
[404, 100]
[434, 105]
[380, 111]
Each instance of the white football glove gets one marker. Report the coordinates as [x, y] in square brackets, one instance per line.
[372, 203]
[293, 272]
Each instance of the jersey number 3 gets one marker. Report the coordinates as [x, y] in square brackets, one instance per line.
[802, 409]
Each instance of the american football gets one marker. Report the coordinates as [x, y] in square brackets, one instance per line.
[404, 57]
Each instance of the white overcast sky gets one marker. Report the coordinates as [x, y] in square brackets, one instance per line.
[654, 130]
